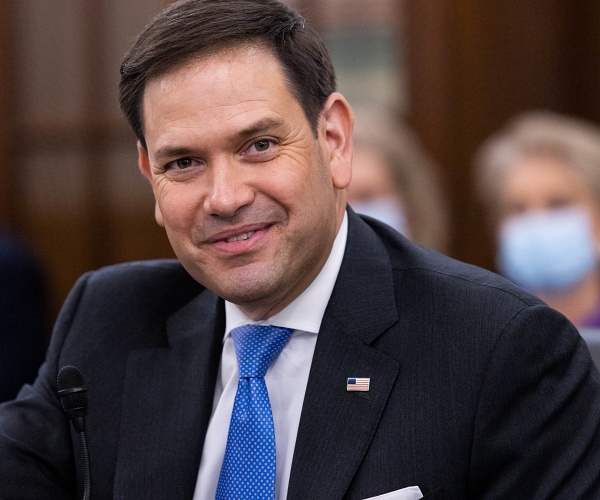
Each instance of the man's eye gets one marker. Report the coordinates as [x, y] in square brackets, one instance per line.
[260, 150]
[183, 163]
[262, 145]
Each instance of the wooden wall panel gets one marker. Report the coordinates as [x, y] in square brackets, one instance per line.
[582, 66]
[473, 64]
[96, 144]
[79, 198]
[7, 121]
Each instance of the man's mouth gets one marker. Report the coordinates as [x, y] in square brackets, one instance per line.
[240, 237]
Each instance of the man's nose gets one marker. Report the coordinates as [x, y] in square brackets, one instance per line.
[229, 189]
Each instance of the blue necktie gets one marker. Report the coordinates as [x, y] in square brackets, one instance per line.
[248, 470]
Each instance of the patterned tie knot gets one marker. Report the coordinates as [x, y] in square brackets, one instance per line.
[257, 346]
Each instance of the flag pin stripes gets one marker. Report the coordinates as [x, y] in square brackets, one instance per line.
[358, 384]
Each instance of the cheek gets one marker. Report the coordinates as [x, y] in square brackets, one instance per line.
[286, 183]
[178, 208]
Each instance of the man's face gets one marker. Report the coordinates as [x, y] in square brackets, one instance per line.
[250, 199]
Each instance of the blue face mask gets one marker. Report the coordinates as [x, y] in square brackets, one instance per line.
[548, 251]
[386, 210]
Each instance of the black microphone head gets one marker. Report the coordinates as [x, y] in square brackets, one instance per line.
[72, 391]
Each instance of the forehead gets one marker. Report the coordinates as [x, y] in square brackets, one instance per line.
[543, 176]
[224, 88]
[543, 168]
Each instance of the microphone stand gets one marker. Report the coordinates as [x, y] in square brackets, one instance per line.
[73, 397]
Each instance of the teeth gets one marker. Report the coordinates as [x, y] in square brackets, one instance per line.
[241, 237]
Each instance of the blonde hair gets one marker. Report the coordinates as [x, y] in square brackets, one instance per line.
[574, 142]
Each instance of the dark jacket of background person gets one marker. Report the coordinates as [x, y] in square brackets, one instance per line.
[465, 401]
[22, 316]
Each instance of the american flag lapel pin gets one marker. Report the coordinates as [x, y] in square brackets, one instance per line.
[358, 384]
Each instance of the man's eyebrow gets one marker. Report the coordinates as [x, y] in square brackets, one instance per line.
[258, 127]
[261, 126]
[171, 152]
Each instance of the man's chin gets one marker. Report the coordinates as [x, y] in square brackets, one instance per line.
[250, 284]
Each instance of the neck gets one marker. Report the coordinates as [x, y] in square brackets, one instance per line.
[579, 303]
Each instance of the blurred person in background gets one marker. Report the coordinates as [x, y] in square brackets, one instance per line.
[394, 179]
[22, 316]
[539, 179]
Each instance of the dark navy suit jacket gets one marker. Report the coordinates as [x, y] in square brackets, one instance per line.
[477, 389]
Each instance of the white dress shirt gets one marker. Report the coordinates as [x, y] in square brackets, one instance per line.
[286, 379]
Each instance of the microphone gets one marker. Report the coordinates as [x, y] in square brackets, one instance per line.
[73, 398]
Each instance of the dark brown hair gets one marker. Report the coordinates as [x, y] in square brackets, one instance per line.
[196, 28]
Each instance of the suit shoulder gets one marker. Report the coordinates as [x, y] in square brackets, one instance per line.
[427, 261]
[140, 273]
[437, 272]
[153, 285]
[135, 297]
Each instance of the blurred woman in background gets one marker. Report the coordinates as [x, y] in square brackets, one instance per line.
[539, 179]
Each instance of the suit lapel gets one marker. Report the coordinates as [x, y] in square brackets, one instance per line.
[337, 426]
[167, 402]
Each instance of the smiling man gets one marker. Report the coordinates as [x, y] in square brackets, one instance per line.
[251, 197]
[294, 349]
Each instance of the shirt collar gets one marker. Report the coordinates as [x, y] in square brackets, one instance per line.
[306, 311]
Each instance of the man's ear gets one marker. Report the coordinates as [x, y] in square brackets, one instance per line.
[335, 128]
[144, 166]
[144, 162]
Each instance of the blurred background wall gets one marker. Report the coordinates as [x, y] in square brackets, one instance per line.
[454, 69]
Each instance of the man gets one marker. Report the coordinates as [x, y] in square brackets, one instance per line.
[470, 387]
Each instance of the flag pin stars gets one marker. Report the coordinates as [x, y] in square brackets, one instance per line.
[358, 384]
